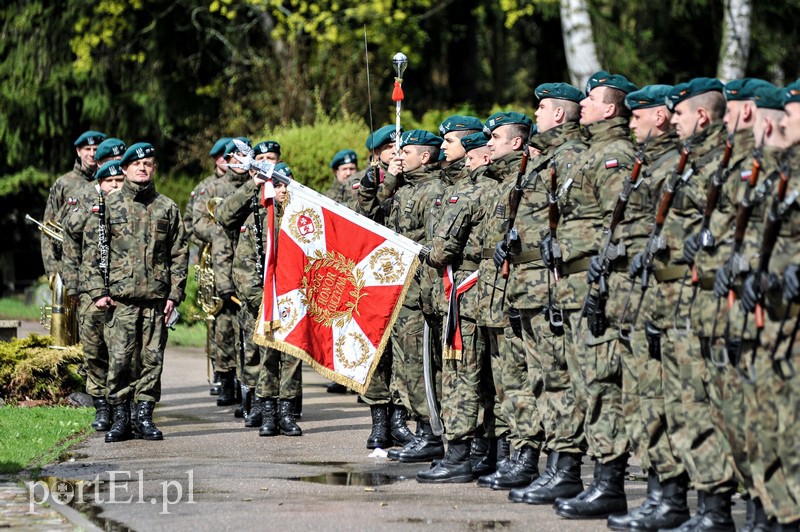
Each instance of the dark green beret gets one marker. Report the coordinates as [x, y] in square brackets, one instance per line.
[684, 91]
[504, 119]
[535, 130]
[460, 123]
[647, 97]
[384, 135]
[420, 137]
[111, 147]
[267, 146]
[742, 89]
[281, 168]
[219, 147]
[559, 91]
[230, 147]
[615, 81]
[791, 93]
[344, 157]
[109, 169]
[140, 150]
[768, 96]
[89, 138]
[474, 141]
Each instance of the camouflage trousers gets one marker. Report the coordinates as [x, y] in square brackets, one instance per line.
[408, 381]
[92, 322]
[561, 415]
[136, 336]
[249, 365]
[378, 391]
[224, 340]
[280, 376]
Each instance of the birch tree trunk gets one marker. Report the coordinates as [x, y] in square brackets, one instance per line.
[735, 47]
[579, 44]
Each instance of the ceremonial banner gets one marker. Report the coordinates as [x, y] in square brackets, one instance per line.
[340, 280]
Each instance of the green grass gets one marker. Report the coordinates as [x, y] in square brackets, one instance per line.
[14, 309]
[34, 437]
[188, 335]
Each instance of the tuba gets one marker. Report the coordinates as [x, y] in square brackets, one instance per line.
[61, 317]
[207, 298]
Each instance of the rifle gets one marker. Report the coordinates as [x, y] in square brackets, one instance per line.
[554, 314]
[514, 198]
[258, 234]
[102, 240]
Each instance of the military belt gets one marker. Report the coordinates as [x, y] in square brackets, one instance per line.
[671, 273]
[707, 282]
[526, 256]
[576, 266]
[468, 265]
[487, 253]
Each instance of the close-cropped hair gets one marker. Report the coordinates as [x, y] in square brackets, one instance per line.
[617, 97]
[711, 101]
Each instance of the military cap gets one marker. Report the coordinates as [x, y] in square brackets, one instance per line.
[109, 169]
[281, 168]
[382, 136]
[559, 91]
[343, 157]
[791, 93]
[474, 141]
[695, 87]
[111, 147]
[140, 150]
[742, 89]
[768, 96]
[460, 123]
[267, 146]
[230, 147]
[89, 138]
[219, 147]
[615, 81]
[647, 97]
[504, 119]
[420, 137]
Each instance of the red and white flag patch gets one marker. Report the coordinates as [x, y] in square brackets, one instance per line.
[612, 163]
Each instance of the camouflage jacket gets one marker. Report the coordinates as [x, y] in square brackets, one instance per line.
[235, 208]
[375, 202]
[492, 230]
[345, 193]
[455, 172]
[247, 275]
[81, 237]
[527, 281]
[62, 196]
[199, 193]
[148, 257]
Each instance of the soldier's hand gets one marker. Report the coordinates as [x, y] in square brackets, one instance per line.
[230, 301]
[751, 292]
[721, 279]
[500, 254]
[595, 269]
[546, 249]
[258, 179]
[636, 266]
[104, 303]
[791, 283]
[598, 322]
[690, 248]
[369, 180]
[396, 167]
[424, 253]
[516, 321]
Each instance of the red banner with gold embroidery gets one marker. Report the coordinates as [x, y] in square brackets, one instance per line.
[340, 281]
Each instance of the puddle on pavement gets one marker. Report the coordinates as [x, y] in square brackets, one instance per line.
[341, 478]
[79, 495]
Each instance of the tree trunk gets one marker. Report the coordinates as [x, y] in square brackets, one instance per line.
[579, 44]
[735, 47]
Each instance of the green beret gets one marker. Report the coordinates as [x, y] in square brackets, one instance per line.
[420, 137]
[230, 147]
[344, 157]
[684, 91]
[768, 96]
[791, 93]
[219, 147]
[89, 138]
[384, 135]
[140, 150]
[615, 81]
[647, 97]
[474, 141]
[460, 123]
[111, 147]
[504, 119]
[109, 169]
[267, 146]
[281, 168]
[742, 89]
[559, 91]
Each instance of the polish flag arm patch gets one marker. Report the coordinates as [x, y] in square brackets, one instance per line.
[612, 163]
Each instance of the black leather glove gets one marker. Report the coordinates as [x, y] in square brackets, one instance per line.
[546, 248]
[500, 254]
[516, 321]
[690, 248]
[370, 179]
[751, 292]
[637, 263]
[229, 301]
[721, 286]
[791, 283]
[596, 316]
[424, 253]
[595, 269]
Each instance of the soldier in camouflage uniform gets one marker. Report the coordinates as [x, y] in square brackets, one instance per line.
[81, 233]
[346, 182]
[147, 265]
[586, 201]
[110, 149]
[409, 213]
[553, 415]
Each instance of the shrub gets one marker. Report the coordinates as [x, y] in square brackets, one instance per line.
[30, 370]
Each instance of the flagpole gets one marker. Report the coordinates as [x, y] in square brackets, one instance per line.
[400, 62]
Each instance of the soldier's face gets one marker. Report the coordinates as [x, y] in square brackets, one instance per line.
[545, 115]
[280, 192]
[453, 150]
[501, 143]
[790, 124]
[86, 155]
[220, 165]
[234, 158]
[272, 157]
[478, 157]
[684, 118]
[141, 171]
[344, 171]
[112, 183]
[733, 110]
[386, 153]
[644, 122]
[593, 108]
[411, 158]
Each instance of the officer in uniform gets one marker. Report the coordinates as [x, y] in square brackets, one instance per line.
[268, 150]
[344, 165]
[220, 166]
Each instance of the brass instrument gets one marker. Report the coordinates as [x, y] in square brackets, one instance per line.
[207, 298]
[50, 228]
[61, 317]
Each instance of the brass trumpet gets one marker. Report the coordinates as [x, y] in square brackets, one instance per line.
[50, 228]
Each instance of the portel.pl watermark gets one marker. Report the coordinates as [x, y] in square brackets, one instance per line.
[116, 489]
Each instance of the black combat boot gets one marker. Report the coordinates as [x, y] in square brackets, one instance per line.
[297, 406]
[455, 467]
[255, 417]
[102, 415]
[524, 471]
[504, 462]
[757, 518]
[671, 510]
[227, 393]
[269, 418]
[121, 423]
[401, 435]
[286, 421]
[335, 387]
[394, 454]
[144, 426]
[713, 514]
[604, 496]
[428, 447]
[215, 385]
[651, 502]
[565, 481]
[518, 494]
[794, 526]
[483, 456]
[379, 437]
